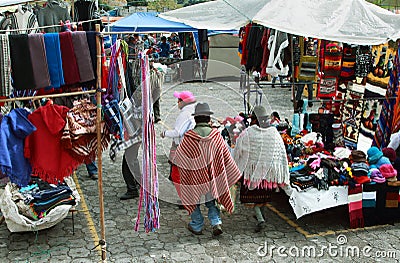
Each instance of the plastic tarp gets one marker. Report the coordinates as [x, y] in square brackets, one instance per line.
[350, 21]
[11, 2]
[149, 22]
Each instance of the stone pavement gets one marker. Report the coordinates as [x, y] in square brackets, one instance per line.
[324, 231]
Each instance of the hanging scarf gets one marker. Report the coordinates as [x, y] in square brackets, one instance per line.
[5, 66]
[82, 54]
[15, 126]
[21, 64]
[38, 57]
[355, 206]
[69, 63]
[54, 60]
[149, 185]
[91, 40]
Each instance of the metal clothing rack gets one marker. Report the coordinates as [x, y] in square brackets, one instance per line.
[98, 92]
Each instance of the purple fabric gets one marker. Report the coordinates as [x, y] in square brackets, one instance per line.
[81, 49]
[38, 56]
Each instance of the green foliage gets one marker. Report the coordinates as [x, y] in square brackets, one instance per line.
[159, 5]
[137, 3]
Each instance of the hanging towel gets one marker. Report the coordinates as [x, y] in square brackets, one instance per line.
[81, 49]
[355, 206]
[21, 64]
[70, 66]
[38, 57]
[5, 66]
[54, 61]
[91, 40]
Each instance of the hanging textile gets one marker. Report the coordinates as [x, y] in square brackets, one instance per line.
[21, 20]
[82, 54]
[383, 64]
[52, 14]
[54, 60]
[21, 64]
[351, 116]
[388, 113]
[79, 134]
[149, 183]
[14, 128]
[69, 63]
[86, 10]
[38, 57]
[91, 40]
[277, 43]
[369, 118]
[355, 207]
[5, 66]
[49, 160]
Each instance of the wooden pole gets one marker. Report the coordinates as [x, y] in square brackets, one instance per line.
[102, 242]
[48, 96]
[292, 78]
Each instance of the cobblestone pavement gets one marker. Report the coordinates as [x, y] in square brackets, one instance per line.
[68, 242]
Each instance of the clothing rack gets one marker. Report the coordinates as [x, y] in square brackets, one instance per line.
[98, 91]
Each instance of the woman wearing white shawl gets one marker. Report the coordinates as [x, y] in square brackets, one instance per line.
[261, 156]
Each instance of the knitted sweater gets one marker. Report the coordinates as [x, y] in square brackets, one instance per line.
[261, 156]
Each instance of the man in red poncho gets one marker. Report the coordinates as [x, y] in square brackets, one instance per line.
[206, 168]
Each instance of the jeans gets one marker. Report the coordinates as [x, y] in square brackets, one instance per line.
[91, 168]
[197, 222]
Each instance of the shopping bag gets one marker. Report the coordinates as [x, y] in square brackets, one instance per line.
[112, 117]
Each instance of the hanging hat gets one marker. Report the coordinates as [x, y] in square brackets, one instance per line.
[389, 153]
[388, 171]
[358, 156]
[374, 154]
[186, 96]
[202, 109]
[260, 111]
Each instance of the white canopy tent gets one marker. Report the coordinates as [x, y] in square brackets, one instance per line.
[350, 21]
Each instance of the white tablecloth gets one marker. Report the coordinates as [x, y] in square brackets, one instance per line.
[313, 200]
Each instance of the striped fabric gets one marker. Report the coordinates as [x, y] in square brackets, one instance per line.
[20, 20]
[5, 66]
[206, 166]
[355, 206]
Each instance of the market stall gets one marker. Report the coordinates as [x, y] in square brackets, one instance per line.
[342, 51]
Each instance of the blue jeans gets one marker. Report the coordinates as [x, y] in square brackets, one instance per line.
[91, 168]
[197, 222]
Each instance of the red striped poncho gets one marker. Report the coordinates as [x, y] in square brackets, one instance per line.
[205, 165]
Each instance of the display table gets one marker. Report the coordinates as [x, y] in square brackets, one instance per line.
[313, 200]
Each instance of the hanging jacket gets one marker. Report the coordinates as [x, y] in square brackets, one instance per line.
[14, 127]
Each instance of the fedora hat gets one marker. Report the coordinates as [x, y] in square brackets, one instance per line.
[202, 109]
[260, 111]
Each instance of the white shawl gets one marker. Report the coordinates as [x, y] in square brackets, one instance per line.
[261, 156]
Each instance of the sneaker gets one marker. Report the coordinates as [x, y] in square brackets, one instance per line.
[217, 230]
[129, 195]
[260, 226]
[194, 231]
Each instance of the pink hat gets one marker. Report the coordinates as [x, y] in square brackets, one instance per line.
[389, 153]
[186, 96]
[387, 171]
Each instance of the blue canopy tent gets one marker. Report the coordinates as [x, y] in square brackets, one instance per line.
[150, 22]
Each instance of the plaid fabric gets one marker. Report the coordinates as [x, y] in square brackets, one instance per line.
[112, 117]
[120, 145]
[355, 207]
[5, 66]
